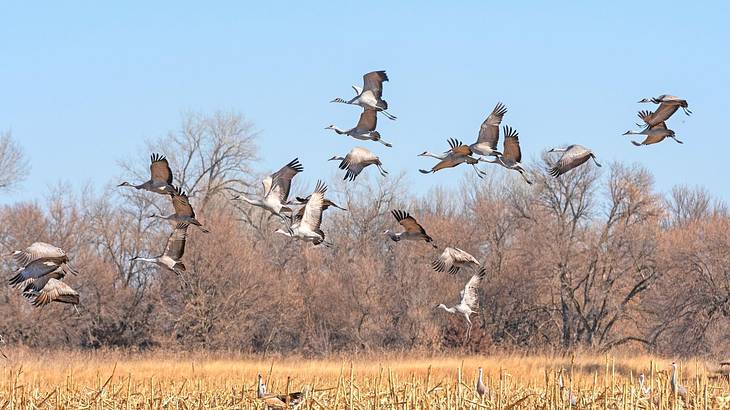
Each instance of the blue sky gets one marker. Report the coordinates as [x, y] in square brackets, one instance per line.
[85, 83]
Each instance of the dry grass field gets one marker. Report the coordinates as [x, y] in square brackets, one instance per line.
[74, 380]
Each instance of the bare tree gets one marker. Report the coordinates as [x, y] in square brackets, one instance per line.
[13, 166]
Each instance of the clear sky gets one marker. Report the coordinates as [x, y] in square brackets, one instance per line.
[83, 84]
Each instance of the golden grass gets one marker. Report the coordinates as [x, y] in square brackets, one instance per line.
[183, 381]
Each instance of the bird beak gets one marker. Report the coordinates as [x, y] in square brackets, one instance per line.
[626, 133]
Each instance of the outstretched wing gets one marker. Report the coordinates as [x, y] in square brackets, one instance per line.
[368, 121]
[312, 217]
[32, 272]
[469, 295]
[175, 247]
[458, 148]
[38, 250]
[54, 291]
[489, 131]
[573, 157]
[408, 222]
[450, 259]
[160, 169]
[662, 113]
[181, 203]
[373, 81]
[512, 144]
[280, 182]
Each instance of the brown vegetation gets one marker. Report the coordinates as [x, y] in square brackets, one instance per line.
[590, 260]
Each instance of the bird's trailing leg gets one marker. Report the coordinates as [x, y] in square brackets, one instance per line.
[524, 175]
[388, 115]
[686, 111]
[593, 157]
[382, 170]
[479, 172]
[675, 138]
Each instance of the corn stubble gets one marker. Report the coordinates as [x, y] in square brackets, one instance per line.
[115, 380]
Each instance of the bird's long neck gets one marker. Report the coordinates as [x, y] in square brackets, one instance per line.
[394, 236]
[140, 258]
[254, 201]
[480, 376]
[338, 130]
[674, 376]
[448, 309]
[341, 101]
[432, 155]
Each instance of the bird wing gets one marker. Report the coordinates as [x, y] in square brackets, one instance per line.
[469, 294]
[408, 222]
[368, 121]
[281, 180]
[489, 131]
[512, 144]
[459, 148]
[662, 113]
[312, 217]
[461, 256]
[353, 163]
[31, 273]
[570, 159]
[448, 162]
[445, 262]
[160, 169]
[181, 203]
[175, 247]
[54, 291]
[373, 81]
[37, 250]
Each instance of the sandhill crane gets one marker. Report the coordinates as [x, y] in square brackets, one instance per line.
[39, 260]
[668, 105]
[276, 190]
[308, 228]
[36, 274]
[356, 160]
[458, 154]
[566, 392]
[413, 230]
[680, 390]
[53, 291]
[184, 212]
[174, 250]
[486, 144]
[469, 299]
[303, 201]
[160, 181]
[643, 388]
[654, 133]
[365, 128]
[480, 387]
[453, 259]
[39, 250]
[512, 154]
[278, 401]
[573, 156]
[370, 96]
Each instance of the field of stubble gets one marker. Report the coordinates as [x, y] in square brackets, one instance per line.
[110, 380]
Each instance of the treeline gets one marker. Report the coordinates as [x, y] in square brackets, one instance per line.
[596, 260]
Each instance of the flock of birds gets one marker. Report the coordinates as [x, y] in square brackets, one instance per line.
[42, 266]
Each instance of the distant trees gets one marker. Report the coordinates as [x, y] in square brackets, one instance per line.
[13, 166]
[590, 260]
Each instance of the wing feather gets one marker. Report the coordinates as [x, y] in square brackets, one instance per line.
[160, 169]
[38, 250]
[512, 149]
[280, 184]
[489, 131]
[373, 81]
[312, 217]
[469, 295]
